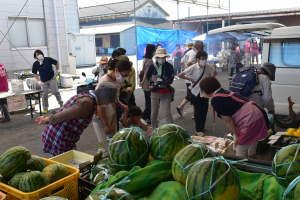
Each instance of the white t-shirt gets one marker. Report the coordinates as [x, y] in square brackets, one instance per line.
[195, 71]
[192, 55]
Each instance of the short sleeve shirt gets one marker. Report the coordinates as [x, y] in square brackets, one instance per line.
[45, 70]
[247, 45]
[195, 71]
[255, 51]
[225, 106]
[192, 56]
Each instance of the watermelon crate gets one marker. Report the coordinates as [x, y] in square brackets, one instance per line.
[66, 187]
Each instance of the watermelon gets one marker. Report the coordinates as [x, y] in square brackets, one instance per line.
[103, 175]
[53, 198]
[293, 190]
[212, 172]
[186, 158]
[286, 164]
[55, 172]
[128, 148]
[113, 194]
[15, 181]
[104, 161]
[37, 164]
[32, 181]
[167, 140]
[13, 161]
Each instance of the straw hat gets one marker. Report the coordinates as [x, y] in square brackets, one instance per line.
[190, 45]
[104, 60]
[161, 53]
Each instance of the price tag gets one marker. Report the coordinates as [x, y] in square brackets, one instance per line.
[100, 145]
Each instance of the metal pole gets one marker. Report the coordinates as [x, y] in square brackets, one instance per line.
[229, 14]
[207, 17]
[178, 20]
[136, 52]
[45, 26]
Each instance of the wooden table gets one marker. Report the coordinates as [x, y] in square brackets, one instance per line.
[29, 95]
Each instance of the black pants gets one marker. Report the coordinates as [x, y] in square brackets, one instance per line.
[237, 70]
[119, 111]
[201, 109]
[147, 112]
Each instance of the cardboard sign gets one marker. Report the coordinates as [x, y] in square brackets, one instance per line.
[16, 103]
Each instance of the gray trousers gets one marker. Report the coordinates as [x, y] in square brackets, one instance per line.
[52, 84]
[5, 112]
[166, 106]
[248, 59]
[256, 57]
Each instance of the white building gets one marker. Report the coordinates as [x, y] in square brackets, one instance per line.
[72, 17]
[40, 25]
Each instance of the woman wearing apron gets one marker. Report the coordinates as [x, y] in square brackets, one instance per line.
[177, 55]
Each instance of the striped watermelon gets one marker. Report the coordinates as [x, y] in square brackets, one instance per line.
[104, 161]
[114, 194]
[128, 148]
[167, 140]
[55, 172]
[208, 171]
[103, 176]
[37, 164]
[289, 169]
[14, 160]
[15, 181]
[32, 181]
[186, 158]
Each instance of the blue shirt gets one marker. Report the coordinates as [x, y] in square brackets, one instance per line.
[45, 70]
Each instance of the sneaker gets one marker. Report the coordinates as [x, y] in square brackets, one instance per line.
[179, 111]
[201, 134]
[230, 78]
[5, 121]
[45, 111]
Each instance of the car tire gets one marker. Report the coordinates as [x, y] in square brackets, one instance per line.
[284, 121]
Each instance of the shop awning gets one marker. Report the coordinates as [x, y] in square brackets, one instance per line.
[107, 29]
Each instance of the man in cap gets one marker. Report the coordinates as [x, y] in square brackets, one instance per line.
[64, 127]
[247, 52]
[262, 92]
[162, 75]
[102, 67]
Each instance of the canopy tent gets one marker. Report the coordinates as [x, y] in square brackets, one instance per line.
[222, 36]
[167, 37]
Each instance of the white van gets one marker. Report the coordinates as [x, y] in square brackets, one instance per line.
[282, 48]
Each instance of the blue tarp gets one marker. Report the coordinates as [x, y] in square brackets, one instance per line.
[167, 37]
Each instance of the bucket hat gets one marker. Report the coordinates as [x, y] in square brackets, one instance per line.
[270, 69]
[104, 60]
[161, 53]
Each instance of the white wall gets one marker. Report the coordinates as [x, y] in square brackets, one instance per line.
[127, 40]
[72, 17]
[11, 59]
[156, 12]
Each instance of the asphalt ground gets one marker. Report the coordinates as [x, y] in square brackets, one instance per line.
[23, 131]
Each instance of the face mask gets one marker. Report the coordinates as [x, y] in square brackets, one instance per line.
[120, 78]
[202, 63]
[159, 47]
[161, 60]
[177, 48]
[40, 57]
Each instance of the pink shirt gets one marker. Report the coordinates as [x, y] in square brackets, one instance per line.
[215, 48]
[246, 46]
[3, 79]
[238, 48]
[175, 51]
[255, 51]
[106, 78]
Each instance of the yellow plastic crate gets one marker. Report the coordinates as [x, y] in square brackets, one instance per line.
[69, 184]
[73, 155]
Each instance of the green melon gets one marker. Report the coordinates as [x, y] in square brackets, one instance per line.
[128, 148]
[186, 158]
[104, 161]
[15, 181]
[55, 172]
[14, 161]
[101, 177]
[167, 140]
[37, 164]
[114, 194]
[293, 190]
[286, 164]
[32, 181]
[210, 170]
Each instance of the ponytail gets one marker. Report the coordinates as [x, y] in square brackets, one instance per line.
[112, 64]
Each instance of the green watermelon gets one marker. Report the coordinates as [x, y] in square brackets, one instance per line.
[15, 181]
[14, 160]
[212, 169]
[103, 175]
[32, 181]
[114, 194]
[128, 148]
[37, 164]
[167, 140]
[186, 158]
[104, 161]
[55, 172]
[286, 164]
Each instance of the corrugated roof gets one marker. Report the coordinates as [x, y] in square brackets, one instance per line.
[125, 7]
[247, 13]
[141, 21]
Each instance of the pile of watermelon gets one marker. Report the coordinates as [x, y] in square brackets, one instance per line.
[28, 173]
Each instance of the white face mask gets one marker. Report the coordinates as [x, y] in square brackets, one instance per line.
[177, 48]
[40, 57]
[202, 63]
[121, 78]
[158, 47]
[161, 60]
